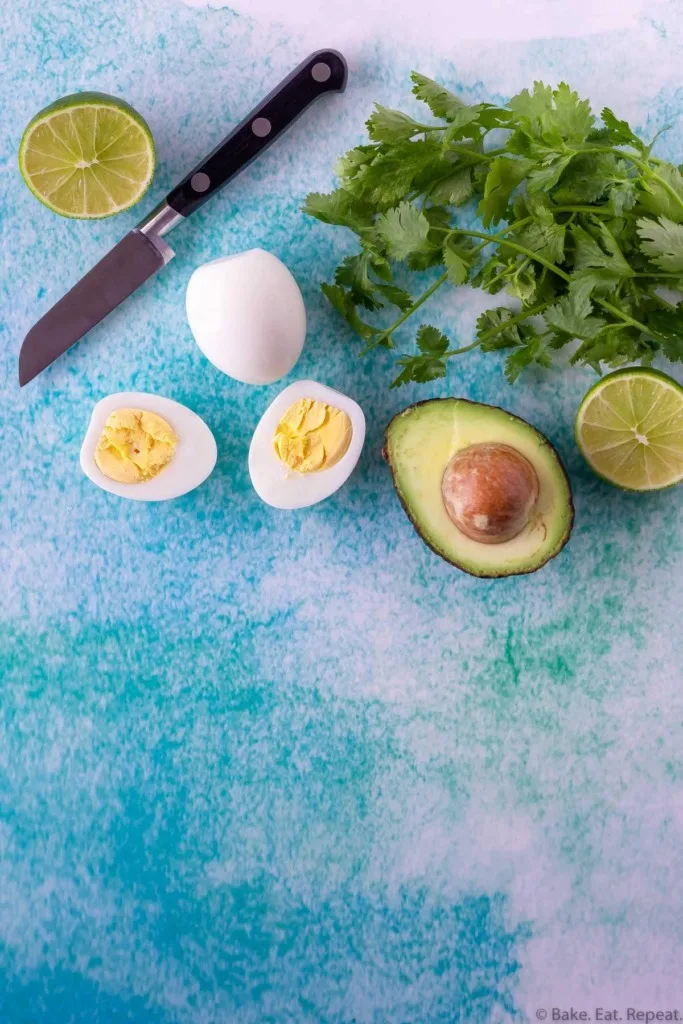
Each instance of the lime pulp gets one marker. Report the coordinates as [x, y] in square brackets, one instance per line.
[87, 155]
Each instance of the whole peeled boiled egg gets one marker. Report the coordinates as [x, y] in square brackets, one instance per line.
[306, 445]
[247, 315]
[146, 447]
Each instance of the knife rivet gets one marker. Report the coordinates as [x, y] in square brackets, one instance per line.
[200, 181]
[261, 127]
[321, 72]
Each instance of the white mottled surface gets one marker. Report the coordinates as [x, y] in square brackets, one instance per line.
[267, 768]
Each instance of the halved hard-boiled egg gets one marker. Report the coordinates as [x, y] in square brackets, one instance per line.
[306, 445]
[146, 447]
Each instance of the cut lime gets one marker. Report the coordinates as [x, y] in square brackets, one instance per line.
[88, 155]
[629, 428]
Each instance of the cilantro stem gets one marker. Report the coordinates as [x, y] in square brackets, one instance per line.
[561, 273]
[386, 335]
[642, 165]
[616, 245]
[519, 318]
[459, 351]
[584, 209]
[661, 273]
[514, 245]
[491, 154]
[662, 301]
[493, 238]
[480, 234]
[494, 280]
[629, 320]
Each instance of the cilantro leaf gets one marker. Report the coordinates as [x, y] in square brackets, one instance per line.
[502, 179]
[438, 216]
[534, 351]
[622, 195]
[614, 348]
[532, 106]
[386, 125]
[545, 239]
[378, 262]
[616, 259]
[571, 117]
[455, 189]
[349, 165]
[338, 208]
[588, 252]
[571, 315]
[405, 230]
[668, 325]
[491, 275]
[406, 374]
[391, 175]
[352, 273]
[440, 101]
[491, 116]
[458, 269]
[553, 114]
[396, 296]
[662, 241]
[431, 256]
[586, 179]
[547, 175]
[420, 369]
[343, 303]
[522, 281]
[656, 200]
[584, 282]
[464, 124]
[619, 132]
[430, 364]
[590, 177]
[431, 341]
[494, 331]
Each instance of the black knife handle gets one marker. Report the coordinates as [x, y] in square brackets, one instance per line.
[324, 71]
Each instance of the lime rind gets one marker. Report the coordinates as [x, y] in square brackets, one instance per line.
[633, 438]
[86, 123]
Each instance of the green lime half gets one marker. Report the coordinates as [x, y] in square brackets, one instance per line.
[629, 428]
[88, 155]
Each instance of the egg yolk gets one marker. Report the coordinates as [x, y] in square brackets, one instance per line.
[312, 436]
[134, 446]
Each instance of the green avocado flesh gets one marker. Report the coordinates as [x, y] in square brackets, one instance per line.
[420, 443]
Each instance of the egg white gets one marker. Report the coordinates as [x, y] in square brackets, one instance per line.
[282, 487]
[247, 315]
[193, 459]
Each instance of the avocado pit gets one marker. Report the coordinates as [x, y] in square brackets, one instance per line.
[489, 491]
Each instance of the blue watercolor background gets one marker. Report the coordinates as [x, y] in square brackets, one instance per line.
[276, 767]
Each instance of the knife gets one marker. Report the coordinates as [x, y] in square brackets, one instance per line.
[143, 251]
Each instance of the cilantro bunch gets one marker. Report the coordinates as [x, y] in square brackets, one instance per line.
[591, 230]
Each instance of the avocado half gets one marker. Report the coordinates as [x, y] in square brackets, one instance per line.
[419, 444]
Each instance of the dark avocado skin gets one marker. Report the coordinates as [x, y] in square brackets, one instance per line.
[481, 575]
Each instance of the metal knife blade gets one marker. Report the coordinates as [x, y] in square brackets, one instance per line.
[128, 265]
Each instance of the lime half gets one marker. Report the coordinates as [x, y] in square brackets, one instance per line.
[88, 155]
[629, 428]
